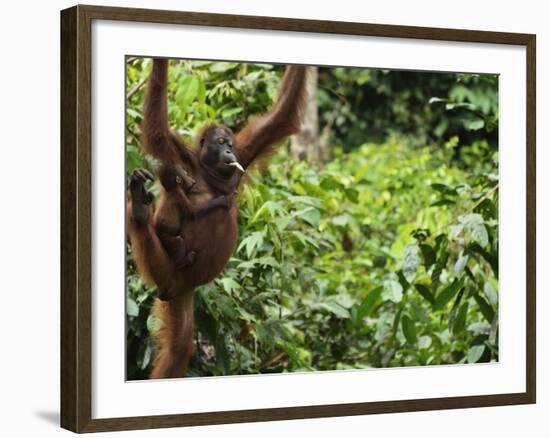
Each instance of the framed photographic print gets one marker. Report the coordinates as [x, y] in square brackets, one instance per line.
[268, 219]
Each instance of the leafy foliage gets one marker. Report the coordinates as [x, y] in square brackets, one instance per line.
[387, 256]
[418, 108]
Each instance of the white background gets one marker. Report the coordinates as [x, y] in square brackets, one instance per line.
[30, 233]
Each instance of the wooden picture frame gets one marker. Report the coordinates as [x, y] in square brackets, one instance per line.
[76, 218]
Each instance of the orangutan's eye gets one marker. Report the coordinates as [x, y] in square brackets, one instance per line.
[221, 140]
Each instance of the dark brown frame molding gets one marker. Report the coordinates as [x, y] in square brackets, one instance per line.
[76, 176]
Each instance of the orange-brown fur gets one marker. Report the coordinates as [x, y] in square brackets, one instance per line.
[213, 236]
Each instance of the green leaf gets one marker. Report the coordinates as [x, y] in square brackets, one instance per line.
[341, 220]
[283, 222]
[201, 93]
[345, 300]
[352, 195]
[443, 188]
[411, 261]
[424, 342]
[444, 337]
[397, 320]
[488, 209]
[154, 323]
[475, 353]
[272, 208]
[367, 305]
[429, 255]
[441, 202]
[453, 105]
[305, 239]
[252, 242]
[188, 90]
[485, 308]
[330, 183]
[229, 284]
[409, 329]
[132, 308]
[310, 215]
[460, 264]
[447, 294]
[460, 320]
[261, 261]
[480, 327]
[474, 124]
[490, 293]
[226, 306]
[441, 262]
[494, 331]
[454, 310]
[490, 258]
[393, 290]
[336, 309]
[455, 231]
[135, 114]
[473, 222]
[147, 354]
[425, 292]
[402, 280]
[436, 100]
[222, 355]
[253, 76]
[479, 234]
[230, 112]
[222, 67]
[307, 200]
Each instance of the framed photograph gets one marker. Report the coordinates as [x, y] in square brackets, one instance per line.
[270, 219]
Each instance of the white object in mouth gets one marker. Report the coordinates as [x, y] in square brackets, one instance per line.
[237, 165]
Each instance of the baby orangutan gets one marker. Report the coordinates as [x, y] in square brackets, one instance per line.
[175, 209]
